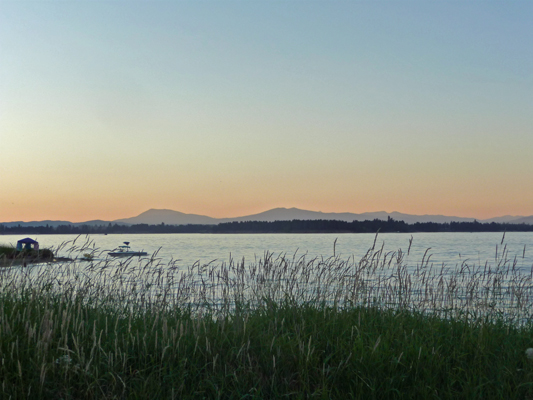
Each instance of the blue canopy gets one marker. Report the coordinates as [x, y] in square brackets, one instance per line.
[27, 240]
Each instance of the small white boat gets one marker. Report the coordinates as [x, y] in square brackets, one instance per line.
[126, 251]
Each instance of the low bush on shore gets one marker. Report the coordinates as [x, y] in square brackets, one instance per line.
[277, 328]
[6, 250]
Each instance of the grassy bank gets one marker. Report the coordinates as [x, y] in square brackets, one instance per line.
[9, 255]
[279, 328]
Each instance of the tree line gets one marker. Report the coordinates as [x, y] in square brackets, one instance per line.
[294, 226]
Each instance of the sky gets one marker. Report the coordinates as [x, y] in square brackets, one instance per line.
[230, 108]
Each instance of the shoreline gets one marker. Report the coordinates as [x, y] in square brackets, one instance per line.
[14, 262]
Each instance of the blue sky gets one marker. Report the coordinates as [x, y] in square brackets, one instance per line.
[225, 108]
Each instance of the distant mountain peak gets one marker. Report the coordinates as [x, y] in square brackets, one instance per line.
[159, 211]
[155, 216]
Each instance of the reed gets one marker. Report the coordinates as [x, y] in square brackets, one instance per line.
[277, 326]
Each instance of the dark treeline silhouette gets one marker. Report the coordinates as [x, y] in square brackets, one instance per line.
[104, 229]
[294, 226]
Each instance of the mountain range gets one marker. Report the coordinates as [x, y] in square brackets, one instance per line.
[171, 217]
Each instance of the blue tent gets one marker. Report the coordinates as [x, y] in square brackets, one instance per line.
[27, 242]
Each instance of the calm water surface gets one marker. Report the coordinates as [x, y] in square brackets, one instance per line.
[445, 248]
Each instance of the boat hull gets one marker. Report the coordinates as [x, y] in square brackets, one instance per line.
[127, 253]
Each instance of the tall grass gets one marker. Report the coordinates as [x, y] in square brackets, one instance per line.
[275, 327]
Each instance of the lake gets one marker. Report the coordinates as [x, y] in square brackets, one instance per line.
[464, 272]
[186, 249]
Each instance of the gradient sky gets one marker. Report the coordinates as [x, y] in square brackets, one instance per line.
[228, 108]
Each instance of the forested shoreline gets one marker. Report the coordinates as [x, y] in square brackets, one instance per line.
[294, 226]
